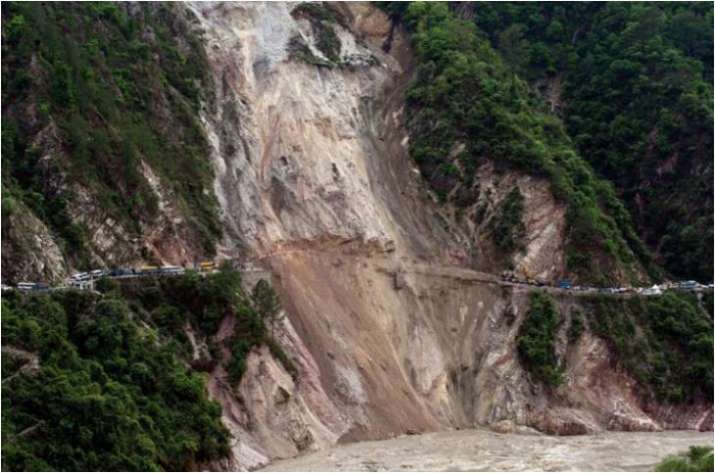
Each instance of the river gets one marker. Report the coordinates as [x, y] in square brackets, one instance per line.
[479, 450]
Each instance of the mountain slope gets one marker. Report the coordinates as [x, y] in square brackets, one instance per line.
[393, 316]
[101, 139]
[633, 83]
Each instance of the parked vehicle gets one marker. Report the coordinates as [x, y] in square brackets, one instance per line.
[171, 270]
[32, 286]
[686, 285]
[652, 291]
[147, 270]
[121, 272]
[565, 284]
[207, 266]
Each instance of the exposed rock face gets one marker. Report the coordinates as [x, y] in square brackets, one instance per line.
[29, 252]
[388, 330]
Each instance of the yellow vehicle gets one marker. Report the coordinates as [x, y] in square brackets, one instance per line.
[148, 270]
[207, 266]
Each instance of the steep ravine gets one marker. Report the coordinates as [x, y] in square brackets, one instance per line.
[315, 186]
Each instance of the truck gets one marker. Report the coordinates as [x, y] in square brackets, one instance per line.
[207, 266]
[147, 270]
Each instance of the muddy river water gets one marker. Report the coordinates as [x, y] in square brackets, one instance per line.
[475, 450]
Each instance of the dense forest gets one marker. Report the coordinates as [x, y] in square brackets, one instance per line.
[559, 89]
[633, 85]
[109, 382]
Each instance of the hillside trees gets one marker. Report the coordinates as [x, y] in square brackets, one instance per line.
[464, 93]
[91, 91]
[115, 385]
[636, 99]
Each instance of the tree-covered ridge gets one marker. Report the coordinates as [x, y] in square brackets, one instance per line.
[636, 96]
[108, 394]
[464, 94]
[90, 90]
[109, 382]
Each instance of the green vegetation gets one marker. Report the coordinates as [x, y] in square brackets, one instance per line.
[636, 95]
[266, 302]
[90, 92]
[320, 18]
[203, 302]
[507, 226]
[200, 300]
[536, 339]
[463, 93]
[110, 393]
[577, 326]
[664, 342]
[708, 302]
[298, 50]
[697, 459]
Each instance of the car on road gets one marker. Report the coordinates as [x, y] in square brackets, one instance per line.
[120, 272]
[97, 273]
[171, 270]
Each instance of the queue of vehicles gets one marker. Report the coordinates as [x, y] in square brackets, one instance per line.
[80, 278]
[86, 279]
[565, 284]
